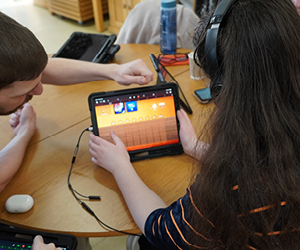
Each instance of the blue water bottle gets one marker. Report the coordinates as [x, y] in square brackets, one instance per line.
[168, 30]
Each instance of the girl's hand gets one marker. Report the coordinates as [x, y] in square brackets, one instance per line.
[108, 155]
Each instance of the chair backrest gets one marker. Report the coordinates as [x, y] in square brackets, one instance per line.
[142, 25]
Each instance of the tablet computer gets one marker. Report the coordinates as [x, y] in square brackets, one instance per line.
[98, 48]
[163, 76]
[16, 238]
[144, 118]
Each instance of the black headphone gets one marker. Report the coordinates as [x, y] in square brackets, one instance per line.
[211, 53]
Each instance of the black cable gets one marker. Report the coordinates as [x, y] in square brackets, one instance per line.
[75, 193]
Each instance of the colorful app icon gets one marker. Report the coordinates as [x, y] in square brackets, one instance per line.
[119, 108]
[131, 106]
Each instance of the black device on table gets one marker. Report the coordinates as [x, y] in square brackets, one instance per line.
[17, 238]
[144, 118]
[89, 47]
[163, 77]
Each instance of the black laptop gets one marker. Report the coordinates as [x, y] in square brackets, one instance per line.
[22, 239]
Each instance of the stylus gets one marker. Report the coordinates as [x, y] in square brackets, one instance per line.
[153, 62]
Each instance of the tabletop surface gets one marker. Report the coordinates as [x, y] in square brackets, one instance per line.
[62, 114]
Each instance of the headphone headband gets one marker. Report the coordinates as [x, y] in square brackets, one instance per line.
[212, 35]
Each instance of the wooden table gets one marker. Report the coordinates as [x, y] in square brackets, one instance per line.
[62, 114]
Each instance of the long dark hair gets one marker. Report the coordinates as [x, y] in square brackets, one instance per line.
[254, 156]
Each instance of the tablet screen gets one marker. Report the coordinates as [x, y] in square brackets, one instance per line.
[8, 244]
[143, 118]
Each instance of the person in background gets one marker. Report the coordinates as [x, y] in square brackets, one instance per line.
[297, 5]
[24, 67]
[246, 194]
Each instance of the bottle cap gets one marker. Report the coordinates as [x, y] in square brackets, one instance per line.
[168, 4]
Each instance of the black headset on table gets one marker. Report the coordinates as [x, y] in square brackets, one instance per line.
[211, 53]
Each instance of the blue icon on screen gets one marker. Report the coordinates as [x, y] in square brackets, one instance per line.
[131, 106]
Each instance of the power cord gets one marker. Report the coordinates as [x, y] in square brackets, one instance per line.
[90, 197]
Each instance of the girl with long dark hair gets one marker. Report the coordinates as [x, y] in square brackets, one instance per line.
[246, 194]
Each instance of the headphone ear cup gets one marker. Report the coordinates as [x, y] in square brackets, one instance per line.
[215, 87]
[211, 46]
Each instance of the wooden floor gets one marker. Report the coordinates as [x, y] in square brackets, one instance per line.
[53, 31]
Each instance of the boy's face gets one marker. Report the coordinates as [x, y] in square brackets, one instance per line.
[17, 94]
[297, 4]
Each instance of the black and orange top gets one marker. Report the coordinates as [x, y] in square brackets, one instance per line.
[169, 228]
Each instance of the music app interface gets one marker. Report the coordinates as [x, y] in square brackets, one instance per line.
[142, 120]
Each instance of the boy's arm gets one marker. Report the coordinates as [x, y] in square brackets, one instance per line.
[61, 71]
[24, 123]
